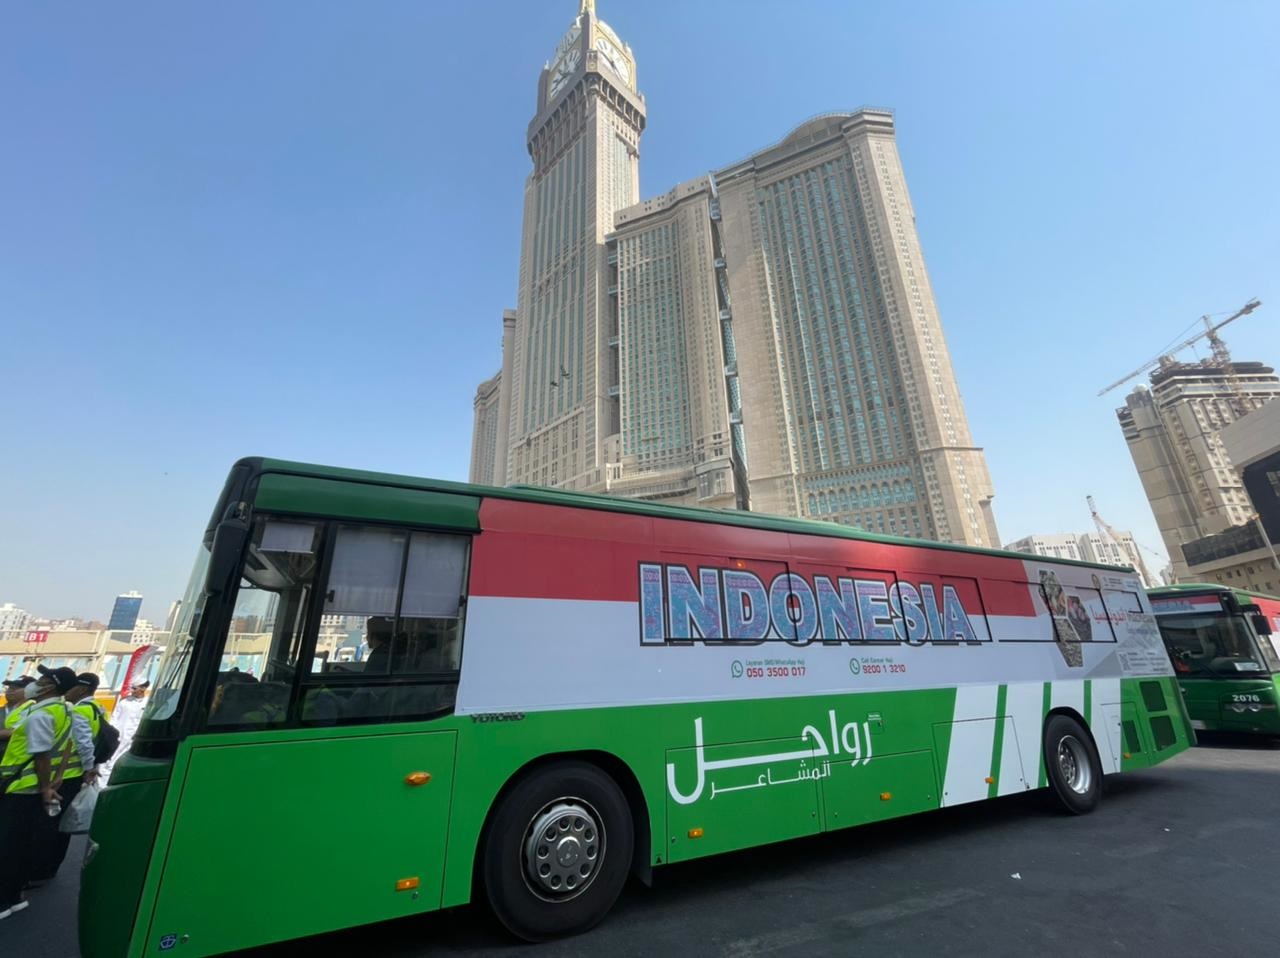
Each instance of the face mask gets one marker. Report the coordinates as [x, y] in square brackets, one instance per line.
[32, 690]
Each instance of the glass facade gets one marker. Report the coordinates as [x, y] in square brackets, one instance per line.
[842, 377]
[124, 614]
[554, 370]
[656, 430]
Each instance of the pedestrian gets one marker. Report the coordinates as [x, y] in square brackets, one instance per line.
[79, 772]
[31, 777]
[14, 701]
[126, 718]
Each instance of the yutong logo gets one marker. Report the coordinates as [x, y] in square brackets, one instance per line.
[734, 605]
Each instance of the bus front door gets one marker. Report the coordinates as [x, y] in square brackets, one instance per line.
[297, 835]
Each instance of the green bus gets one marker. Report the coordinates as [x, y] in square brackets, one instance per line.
[1225, 648]
[389, 695]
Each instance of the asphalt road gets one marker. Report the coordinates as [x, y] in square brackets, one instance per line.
[1179, 860]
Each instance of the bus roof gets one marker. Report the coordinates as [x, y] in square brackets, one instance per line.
[584, 500]
[1192, 588]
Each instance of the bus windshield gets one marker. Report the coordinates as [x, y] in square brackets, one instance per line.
[177, 658]
[1217, 645]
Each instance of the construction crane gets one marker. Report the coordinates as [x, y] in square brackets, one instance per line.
[1134, 554]
[1221, 355]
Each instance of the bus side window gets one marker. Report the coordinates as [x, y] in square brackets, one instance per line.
[429, 637]
[391, 634]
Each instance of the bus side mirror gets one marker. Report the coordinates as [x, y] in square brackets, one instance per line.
[224, 560]
[1260, 623]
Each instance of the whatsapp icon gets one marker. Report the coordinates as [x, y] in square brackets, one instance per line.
[735, 670]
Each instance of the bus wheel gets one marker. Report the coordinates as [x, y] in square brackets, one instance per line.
[558, 851]
[1072, 764]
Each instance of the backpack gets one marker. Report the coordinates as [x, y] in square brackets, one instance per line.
[108, 740]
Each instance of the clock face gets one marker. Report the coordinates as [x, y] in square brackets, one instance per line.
[616, 59]
[564, 70]
[568, 40]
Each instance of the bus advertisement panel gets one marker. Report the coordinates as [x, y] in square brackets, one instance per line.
[551, 691]
[1224, 645]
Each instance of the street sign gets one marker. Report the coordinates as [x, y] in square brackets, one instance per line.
[36, 638]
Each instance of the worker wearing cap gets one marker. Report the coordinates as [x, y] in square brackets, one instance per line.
[15, 701]
[31, 766]
[85, 715]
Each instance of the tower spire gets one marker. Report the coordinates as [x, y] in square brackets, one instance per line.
[588, 6]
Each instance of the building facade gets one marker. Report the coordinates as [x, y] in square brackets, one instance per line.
[850, 406]
[484, 431]
[1052, 546]
[144, 633]
[124, 614]
[761, 337]
[1246, 555]
[1084, 547]
[1253, 443]
[13, 621]
[1174, 433]
[584, 141]
[85, 650]
[492, 414]
[1095, 548]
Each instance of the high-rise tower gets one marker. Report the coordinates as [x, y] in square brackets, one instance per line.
[763, 337]
[1174, 434]
[781, 347]
[124, 614]
[584, 142]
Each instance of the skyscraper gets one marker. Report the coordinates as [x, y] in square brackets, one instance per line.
[761, 337]
[124, 614]
[585, 144]
[484, 431]
[492, 412]
[1173, 431]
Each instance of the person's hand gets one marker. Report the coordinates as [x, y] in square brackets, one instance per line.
[91, 777]
[49, 794]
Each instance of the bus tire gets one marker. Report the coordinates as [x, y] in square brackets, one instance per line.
[1072, 765]
[558, 851]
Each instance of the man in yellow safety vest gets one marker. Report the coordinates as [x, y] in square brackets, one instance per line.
[15, 701]
[31, 771]
[85, 713]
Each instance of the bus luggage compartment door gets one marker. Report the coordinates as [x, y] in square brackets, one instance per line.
[316, 836]
[742, 794]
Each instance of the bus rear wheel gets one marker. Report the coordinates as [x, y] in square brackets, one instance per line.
[558, 851]
[1072, 765]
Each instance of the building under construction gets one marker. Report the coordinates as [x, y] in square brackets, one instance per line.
[1173, 431]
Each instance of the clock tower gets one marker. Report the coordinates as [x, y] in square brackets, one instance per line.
[584, 142]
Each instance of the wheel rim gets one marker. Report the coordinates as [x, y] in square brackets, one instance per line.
[563, 849]
[1073, 762]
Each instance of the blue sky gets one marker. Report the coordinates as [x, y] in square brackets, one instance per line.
[290, 229]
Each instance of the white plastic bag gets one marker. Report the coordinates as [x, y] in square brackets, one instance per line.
[78, 815]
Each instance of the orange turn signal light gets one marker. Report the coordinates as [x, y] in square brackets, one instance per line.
[1126, 755]
[417, 778]
[989, 780]
[407, 884]
[885, 796]
[695, 833]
